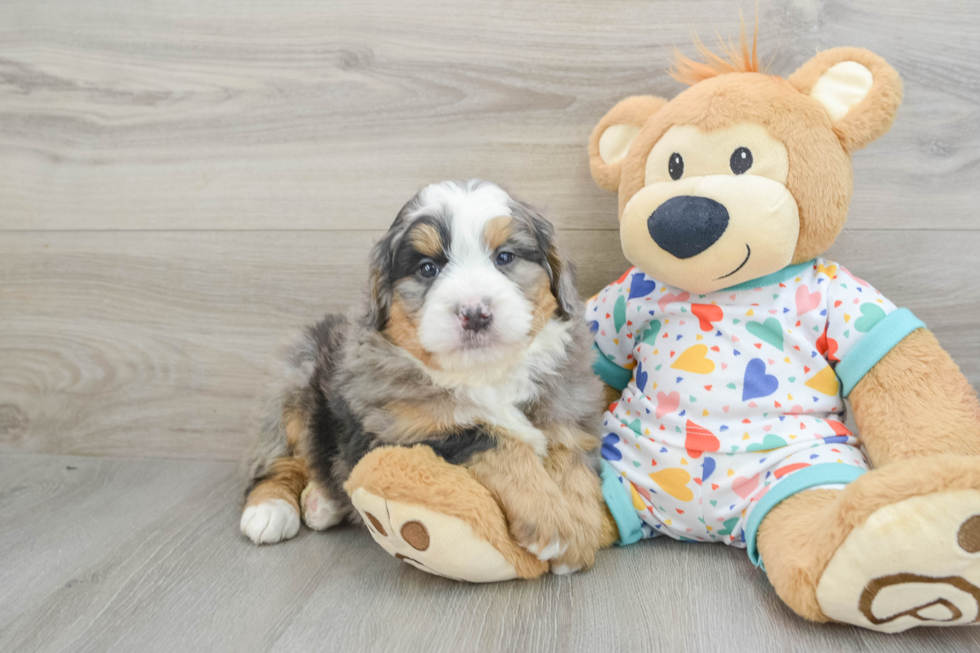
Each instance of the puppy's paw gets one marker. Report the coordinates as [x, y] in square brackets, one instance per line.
[579, 556]
[542, 533]
[270, 522]
[320, 512]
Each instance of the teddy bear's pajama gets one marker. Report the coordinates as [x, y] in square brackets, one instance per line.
[733, 400]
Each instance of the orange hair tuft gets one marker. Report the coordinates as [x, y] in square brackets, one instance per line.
[688, 71]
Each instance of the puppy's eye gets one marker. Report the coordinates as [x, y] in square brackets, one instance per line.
[676, 166]
[428, 269]
[503, 258]
[741, 160]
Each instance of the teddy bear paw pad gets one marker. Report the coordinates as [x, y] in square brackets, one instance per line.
[912, 563]
[270, 522]
[433, 542]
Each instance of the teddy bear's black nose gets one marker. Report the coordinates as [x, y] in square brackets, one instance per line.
[685, 226]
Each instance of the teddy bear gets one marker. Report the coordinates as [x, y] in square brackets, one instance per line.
[730, 348]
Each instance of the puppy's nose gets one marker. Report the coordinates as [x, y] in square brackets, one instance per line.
[475, 318]
[685, 226]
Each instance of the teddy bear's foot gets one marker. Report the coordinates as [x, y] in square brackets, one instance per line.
[911, 563]
[436, 517]
[430, 541]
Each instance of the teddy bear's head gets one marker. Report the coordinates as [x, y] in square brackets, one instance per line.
[743, 173]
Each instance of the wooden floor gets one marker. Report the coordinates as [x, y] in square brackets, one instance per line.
[183, 183]
[131, 555]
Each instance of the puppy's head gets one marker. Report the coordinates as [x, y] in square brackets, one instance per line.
[468, 276]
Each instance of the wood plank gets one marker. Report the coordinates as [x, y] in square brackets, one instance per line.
[155, 343]
[144, 555]
[103, 335]
[122, 115]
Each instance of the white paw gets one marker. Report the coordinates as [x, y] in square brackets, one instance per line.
[554, 549]
[564, 570]
[270, 522]
[319, 510]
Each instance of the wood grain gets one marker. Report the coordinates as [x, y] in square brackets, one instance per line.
[329, 115]
[145, 555]
[156, 343]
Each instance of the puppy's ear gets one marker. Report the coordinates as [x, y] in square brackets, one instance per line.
[379, 287]
[379, 278]
[560, 270]
[611, 138]
[858, 90]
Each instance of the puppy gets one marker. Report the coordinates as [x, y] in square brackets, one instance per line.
[472, 342]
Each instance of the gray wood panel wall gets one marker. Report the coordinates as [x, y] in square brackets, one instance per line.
[183, 184]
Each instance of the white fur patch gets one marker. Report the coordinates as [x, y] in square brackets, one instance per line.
[320, 512]
[554, 549]
[270, 522]
[470, 279]
[491, 393]
[564, 570]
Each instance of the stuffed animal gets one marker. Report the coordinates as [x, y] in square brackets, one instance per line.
[732, 345]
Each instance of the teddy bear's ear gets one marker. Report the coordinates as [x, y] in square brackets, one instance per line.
[858, 90]
[611, 138]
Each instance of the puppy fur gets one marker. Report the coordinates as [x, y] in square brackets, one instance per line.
[471, 341]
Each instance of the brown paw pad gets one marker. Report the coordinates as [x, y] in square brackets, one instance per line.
[953, 593]
[377, 524]
[968, 536]
[416, 534]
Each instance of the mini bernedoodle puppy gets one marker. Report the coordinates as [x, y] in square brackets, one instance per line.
[472, 341]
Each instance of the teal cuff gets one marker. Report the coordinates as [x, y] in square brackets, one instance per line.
[611, 374]
[873, 346]
[804, 479]
[620, 505]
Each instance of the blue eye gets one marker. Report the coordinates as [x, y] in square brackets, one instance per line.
[503, 258]
[428, 269]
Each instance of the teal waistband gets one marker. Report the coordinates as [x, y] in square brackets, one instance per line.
[874, 346]
[804, 479]
[620, 504]
[611, 374]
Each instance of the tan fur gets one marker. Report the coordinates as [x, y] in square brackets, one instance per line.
[294, 424]
[415, 421]
[417, 476]
[610, 531]
[426, 240]
[583, 492]
[402, 331]
[537, 512]
[545, 306]
[871, 117]
[634, 111]
[611, 394]
[915, 402]
[800, 536]
[497, 231]
[285, 480]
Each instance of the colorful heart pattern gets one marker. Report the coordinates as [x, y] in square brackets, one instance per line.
[732, 391]
[695, 360]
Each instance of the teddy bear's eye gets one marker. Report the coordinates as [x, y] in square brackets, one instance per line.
[741, 160]
[675, 166]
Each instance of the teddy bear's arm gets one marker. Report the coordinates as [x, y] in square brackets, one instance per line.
[915, 402]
